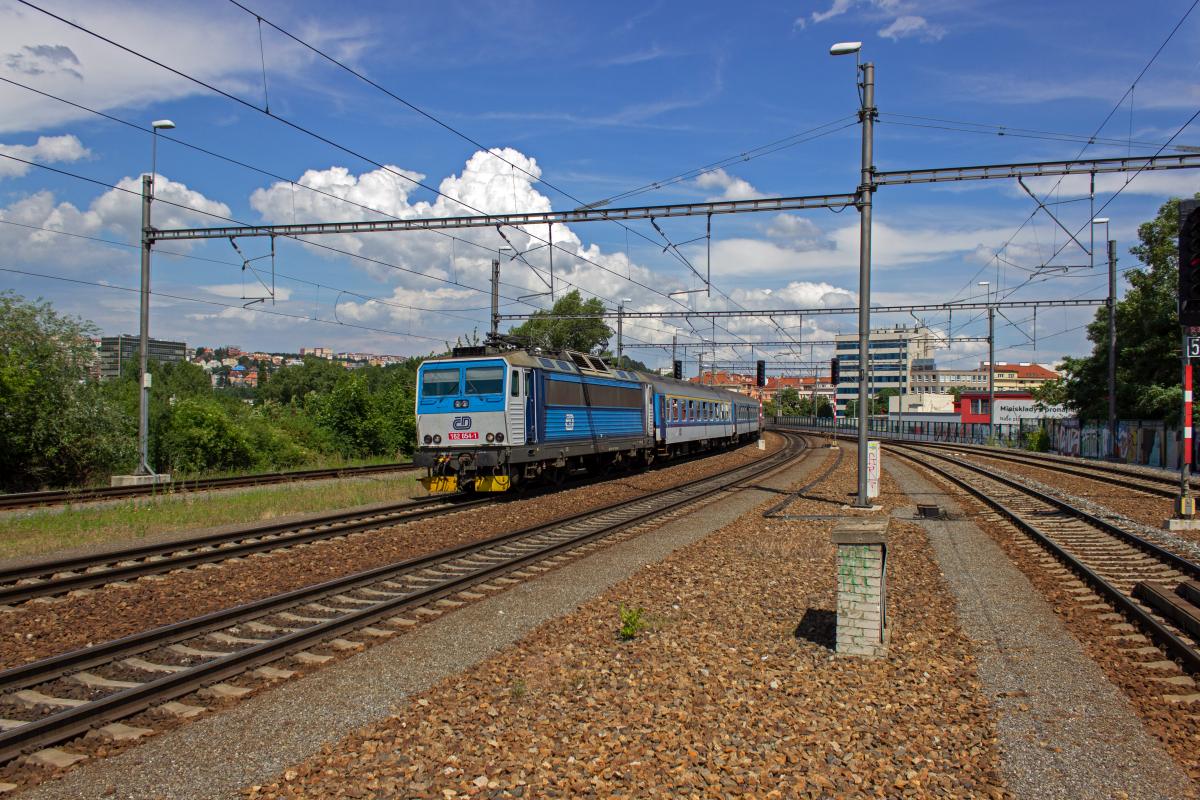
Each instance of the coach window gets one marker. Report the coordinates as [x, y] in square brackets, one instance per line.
[515, 389]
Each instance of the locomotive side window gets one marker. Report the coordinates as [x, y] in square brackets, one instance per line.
[564, 393]
[515, 384]
[439, 382]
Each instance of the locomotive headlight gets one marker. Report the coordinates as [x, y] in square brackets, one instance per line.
[437, 438]
[499, 437]
[428, 439]
[491, 437]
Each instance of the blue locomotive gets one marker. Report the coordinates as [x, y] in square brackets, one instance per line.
[489, 419]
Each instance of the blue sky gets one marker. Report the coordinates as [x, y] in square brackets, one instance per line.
[595, 99]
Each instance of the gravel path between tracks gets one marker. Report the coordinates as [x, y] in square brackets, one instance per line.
[1065, 731]
[1145, 509]
[39, 629]
[1176, 725]
[732, 691]
[254, 740]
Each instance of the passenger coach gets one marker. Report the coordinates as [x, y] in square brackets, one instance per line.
[488, 418]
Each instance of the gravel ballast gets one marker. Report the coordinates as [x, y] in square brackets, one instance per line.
[1065, 730]
[732, 690]
[256, 739]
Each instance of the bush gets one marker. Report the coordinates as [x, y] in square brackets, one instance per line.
[202, 437]
[1038, 441]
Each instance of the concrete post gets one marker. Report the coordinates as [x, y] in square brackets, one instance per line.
[862, 586]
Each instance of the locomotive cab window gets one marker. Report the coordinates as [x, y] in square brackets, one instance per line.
[439, 382]
[485, 380]
[515, 384]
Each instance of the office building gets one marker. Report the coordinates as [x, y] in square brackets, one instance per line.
[891, 356]
[117, 352]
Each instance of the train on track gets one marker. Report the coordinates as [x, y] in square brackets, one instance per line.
[491, 419]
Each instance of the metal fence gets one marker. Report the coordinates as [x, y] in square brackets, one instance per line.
[1142, 442]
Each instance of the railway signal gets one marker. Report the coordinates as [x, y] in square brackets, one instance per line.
[760, 373]
[677, 370]
[1189, 263]
[834, 371]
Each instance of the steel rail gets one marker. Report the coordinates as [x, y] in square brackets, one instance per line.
[102, 568]
[1172, 643]
[1166, 486]
[17, 584]
[62, 725]
[56, 496]
[1116, 469]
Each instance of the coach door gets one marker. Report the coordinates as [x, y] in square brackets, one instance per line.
[517, 385]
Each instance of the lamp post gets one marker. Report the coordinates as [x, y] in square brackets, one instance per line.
[991, 362]
[1112, 338]
[866, 116]
[144, 331]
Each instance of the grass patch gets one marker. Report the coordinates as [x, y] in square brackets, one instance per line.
[45, 531]
[633, 622]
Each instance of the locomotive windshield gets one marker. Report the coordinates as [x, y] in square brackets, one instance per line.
[439, 382]
[485, 380]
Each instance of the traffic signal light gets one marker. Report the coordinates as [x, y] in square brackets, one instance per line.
[834, 372]
[760, 373]
[677, 371]
[1189, 263]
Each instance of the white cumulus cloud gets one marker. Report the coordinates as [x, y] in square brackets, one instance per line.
[46, 150]
[730, 186]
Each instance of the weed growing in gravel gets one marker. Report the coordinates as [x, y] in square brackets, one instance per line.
[518, 689]
[633, 622]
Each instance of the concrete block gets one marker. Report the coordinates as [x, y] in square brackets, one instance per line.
[119, 732]
[54, 758]
[140, 480]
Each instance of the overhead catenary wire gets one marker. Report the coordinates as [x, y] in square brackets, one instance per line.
[493, 153]
[268, 173]
[237, 306]
[315, 135]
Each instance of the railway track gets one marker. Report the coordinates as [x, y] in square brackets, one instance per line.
[1159, 485]
[61, 496]
[60, 576]
[58, 698]
[1150, 484]
[1152, 586]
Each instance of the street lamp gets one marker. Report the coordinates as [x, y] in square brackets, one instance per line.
[144, 332]
[1112, 334]
[991, 361]
[620, 326]
[866, 115]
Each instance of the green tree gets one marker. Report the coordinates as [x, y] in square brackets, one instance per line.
[584, 335]
[1051, 393]
[56, 427]
[879, 403]
[788, 403]
[296, 382]
[1147, 321]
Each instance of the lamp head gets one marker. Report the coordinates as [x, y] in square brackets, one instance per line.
[1100, 221]
[845, 48]
[162, 124]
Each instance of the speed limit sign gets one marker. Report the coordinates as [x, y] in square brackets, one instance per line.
[1193, 343]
